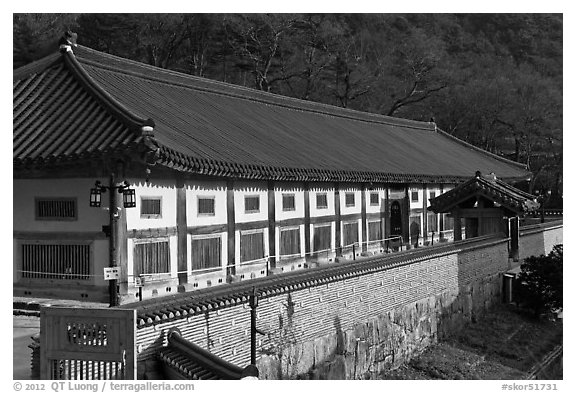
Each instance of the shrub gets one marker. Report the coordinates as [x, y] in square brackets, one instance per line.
[540, 282]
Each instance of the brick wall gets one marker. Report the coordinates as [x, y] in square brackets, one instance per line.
[355, 326]
[362, 323]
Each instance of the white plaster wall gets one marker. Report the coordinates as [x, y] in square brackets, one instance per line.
[166, 190]
[416, 188]
[243, 189]
[90, 219]
[314, 211]
[298, 191]
[381, 198]
[357, 208]
[216, 189]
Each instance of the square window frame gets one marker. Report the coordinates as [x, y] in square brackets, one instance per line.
[284, 209]
[372, 193]
[319, 207]
[150, 197]
[213, 198]
[251, 211]
[349, 193]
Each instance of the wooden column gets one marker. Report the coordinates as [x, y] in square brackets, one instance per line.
[363, 219]
[231, 228]
[457, 224]
[406, 218]
[424, 211]
[442, 215]
[386, 214]
[306, 219]
[182, 232]
[271, 224]
[338, 220]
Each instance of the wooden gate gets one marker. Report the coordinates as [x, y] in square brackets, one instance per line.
[87, 343]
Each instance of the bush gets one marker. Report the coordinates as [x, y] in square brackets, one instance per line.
[540, 282]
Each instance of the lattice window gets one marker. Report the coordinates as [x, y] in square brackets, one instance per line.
[251, 246]
[448, 223]
[206, 253]
[414, 196]
[152, 257]
[56, 261]
[322, 201]
[252, 204]
[56, 209]
[432, 194]
[322, 237]
[206, 206]
[150, 207]
[374, 199]
[290, 242]
[432, 222]
[350, 232]
[375, 230]
[288, 202]
[349, 199]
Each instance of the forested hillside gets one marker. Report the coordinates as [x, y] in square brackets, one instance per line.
[494, 80]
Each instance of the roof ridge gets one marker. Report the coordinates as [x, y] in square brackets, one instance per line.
[26, 70]
[486, 152]
[256, 95]
[103, 96]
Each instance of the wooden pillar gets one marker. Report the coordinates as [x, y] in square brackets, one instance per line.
[406, 218]
[363, 219]
[386, 216]
[306, 219]
[231, 228]
[182, 232]
[457, 224]
[442, 216]
[338, 220]
[271, 224]
[425, 211]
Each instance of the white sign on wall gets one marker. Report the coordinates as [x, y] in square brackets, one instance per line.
[111, 273]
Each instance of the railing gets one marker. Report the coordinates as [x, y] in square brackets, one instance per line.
[78, 343]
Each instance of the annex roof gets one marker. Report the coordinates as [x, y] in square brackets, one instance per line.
[488, 187]
[86, 104]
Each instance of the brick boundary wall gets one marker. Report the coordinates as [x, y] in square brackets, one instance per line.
[357, 326]
[353, 327]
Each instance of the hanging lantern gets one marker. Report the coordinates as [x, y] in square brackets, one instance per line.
[129, 196]
[96, 196]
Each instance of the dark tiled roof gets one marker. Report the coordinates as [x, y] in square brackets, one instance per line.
[90, 102]
[190, 361]
[487, 186]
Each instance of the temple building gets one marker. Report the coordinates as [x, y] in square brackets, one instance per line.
[132, 181]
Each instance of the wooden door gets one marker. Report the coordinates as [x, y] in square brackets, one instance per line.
[395, 219]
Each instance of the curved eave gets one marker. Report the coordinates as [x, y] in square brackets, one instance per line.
[115, 107]
[177, 161]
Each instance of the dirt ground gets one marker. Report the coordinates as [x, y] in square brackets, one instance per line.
[504, 344]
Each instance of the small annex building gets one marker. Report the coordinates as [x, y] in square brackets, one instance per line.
[228, 183]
